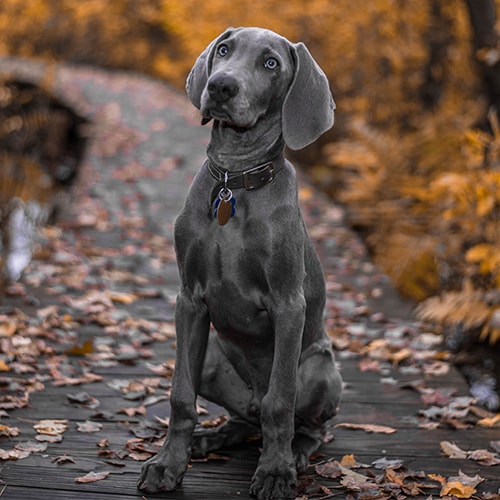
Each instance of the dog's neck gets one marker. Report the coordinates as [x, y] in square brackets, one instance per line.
[235, 149]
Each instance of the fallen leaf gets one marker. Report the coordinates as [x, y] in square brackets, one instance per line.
[31, 447]
[81, 349]
[122, 297]
[13, 454]
[367, 364]
[51, 427]
[84, 399]
[490, 422]
[45, 438]
[348, 461]
[92, 477]
[152, 400]
[451, 450]
[438, 368]
[437, 396]
[331, 470]
[7, 431]
[400, 355]
[484, 457]
[8, 326]
[139, 457]
[467, 480]
[429, 425]
[457, 424]
[384, 463]
[378, 429]
[63, 459]
[133, 411]
[437, 477]
[457, 489]
[164, 422]
[354, 481]
[214, 422]
[392, 477]
[88, 426]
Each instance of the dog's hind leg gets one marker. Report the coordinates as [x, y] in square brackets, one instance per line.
[234, 431]
[318, 396]
[221, 384]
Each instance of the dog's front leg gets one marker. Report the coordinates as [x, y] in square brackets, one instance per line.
[165, 471]
[276, 474]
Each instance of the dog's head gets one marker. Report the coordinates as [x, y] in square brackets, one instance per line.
[246, 74]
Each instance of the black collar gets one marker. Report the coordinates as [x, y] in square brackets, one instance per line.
[252, 178]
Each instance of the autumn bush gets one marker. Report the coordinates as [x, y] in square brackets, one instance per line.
[418, 176]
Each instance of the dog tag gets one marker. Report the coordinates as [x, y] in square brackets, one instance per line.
[224, 206]
[224, 212]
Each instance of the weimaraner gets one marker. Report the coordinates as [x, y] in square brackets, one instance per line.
[247, 266]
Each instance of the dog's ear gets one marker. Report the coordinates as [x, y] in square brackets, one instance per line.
[198, 76]
[308, 109]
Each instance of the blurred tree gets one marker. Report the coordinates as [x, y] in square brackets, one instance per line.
[440, 38]
[483, 18]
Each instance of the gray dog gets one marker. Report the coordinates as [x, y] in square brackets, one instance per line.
[247, 266]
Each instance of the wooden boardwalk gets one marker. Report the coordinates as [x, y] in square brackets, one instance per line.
[366, 401]
[391, 368]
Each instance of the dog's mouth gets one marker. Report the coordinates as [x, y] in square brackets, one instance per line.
[224, 118]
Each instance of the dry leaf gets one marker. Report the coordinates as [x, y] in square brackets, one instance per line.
[331, 470]
[139, 457]
[387, 464]
[92, 477]
[51, 427]
[352, 480]
[31, 447]
[467, 480]
[13, 454]
[378, 429]
[45, 438]
[63, 459]
[81, 350]
[484, 457]
[490, 422]
[88, 426]
[451, 450]
[348, 461]
[8, 326]
[122, 297]
[133, 411]
[7, 431]
[457, 489]
[437, 477]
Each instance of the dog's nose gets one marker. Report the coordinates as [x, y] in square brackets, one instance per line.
[223, 87]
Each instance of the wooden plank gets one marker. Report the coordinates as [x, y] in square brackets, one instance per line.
[201, 480]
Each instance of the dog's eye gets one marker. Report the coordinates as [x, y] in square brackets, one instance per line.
[271, 63]
[222, 50]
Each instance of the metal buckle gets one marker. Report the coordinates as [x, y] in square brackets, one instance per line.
[267, 168]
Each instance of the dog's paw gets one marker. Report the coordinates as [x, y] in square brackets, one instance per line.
[157, 476]
[275, 483]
